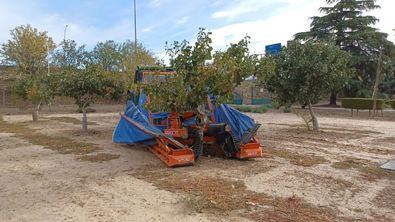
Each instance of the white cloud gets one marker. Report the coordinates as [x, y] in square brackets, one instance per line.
[240, 8]
[217, 3]
[279, 28]
[182, 20]
[156, 3]
[386, 16]
[13, 15]
[147, 29]
[162, 56]
[290, 20]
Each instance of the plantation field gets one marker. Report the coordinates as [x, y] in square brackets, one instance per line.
[50, 171]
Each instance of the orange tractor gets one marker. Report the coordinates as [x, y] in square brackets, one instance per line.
[175, 138]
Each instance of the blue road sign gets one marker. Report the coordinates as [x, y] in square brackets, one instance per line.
[274, 49]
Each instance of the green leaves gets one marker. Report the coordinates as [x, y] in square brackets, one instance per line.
[306, 72]
[27, 50]
[200, 73]
[37, 89]
[87, 85]
[70, 56]
[346, 24]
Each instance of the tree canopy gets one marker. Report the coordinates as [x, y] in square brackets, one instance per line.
[69, 56]
[121, 57]
[37, 89]
[200, 73]
[346, 24]
[304, 73]
[88, 85]
[27, 50]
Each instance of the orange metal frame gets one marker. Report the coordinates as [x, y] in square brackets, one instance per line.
[172, 157]
[253, 149]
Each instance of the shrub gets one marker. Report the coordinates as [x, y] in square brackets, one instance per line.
[361, 103]
[260, 109]
[392, 102]
[252, 109]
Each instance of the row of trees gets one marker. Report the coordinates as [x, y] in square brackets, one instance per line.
[46, 70]
[301, 73]
[347, 25]
[341, 53]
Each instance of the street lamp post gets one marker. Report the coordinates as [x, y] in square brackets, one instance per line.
[134, 56]
[48, 56]
[64, 34]
[135, 26]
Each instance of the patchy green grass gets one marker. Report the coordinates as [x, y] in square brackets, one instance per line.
[60, 144]
[253, 109]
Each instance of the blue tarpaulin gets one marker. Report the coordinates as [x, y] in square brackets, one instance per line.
[239, 122]
[128, 133]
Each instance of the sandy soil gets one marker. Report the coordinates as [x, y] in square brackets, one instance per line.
[38, 184]
[322, 185]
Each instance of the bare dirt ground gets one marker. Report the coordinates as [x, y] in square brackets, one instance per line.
[49, 171]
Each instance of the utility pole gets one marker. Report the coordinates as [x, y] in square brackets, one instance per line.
[48, 71]
[64, 34]
[48, 55]
[135, 28]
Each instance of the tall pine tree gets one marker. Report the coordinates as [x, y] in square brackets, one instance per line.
[345, 23]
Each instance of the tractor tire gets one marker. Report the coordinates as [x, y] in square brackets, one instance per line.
[197, 143]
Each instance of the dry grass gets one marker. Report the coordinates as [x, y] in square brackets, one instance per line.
[224, 166]
[293, 209]
[66, 119]
[367, 170]
[386, 198]
[222, 196]
[327, 133]
[385, 140]
[306, 160]
[99, 157]
[347, 164]
[61, 144]
[292, 135]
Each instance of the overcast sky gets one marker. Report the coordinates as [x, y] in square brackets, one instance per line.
[91, 21]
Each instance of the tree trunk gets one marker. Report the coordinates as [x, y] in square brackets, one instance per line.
[35, 113]
[84, 120]
[201, 116]
[314, 119]
[332, 100]
[376, 84]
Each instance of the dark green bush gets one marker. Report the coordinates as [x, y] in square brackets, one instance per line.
[392, 102]
[252, 109]
[88, 110]
[261, 109]
[361, 103]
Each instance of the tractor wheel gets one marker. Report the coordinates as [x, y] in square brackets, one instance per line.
[197, 143]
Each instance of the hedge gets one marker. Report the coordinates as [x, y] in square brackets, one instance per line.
[252, 109]
[392, 102]
[362, 103]
[261, 101]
